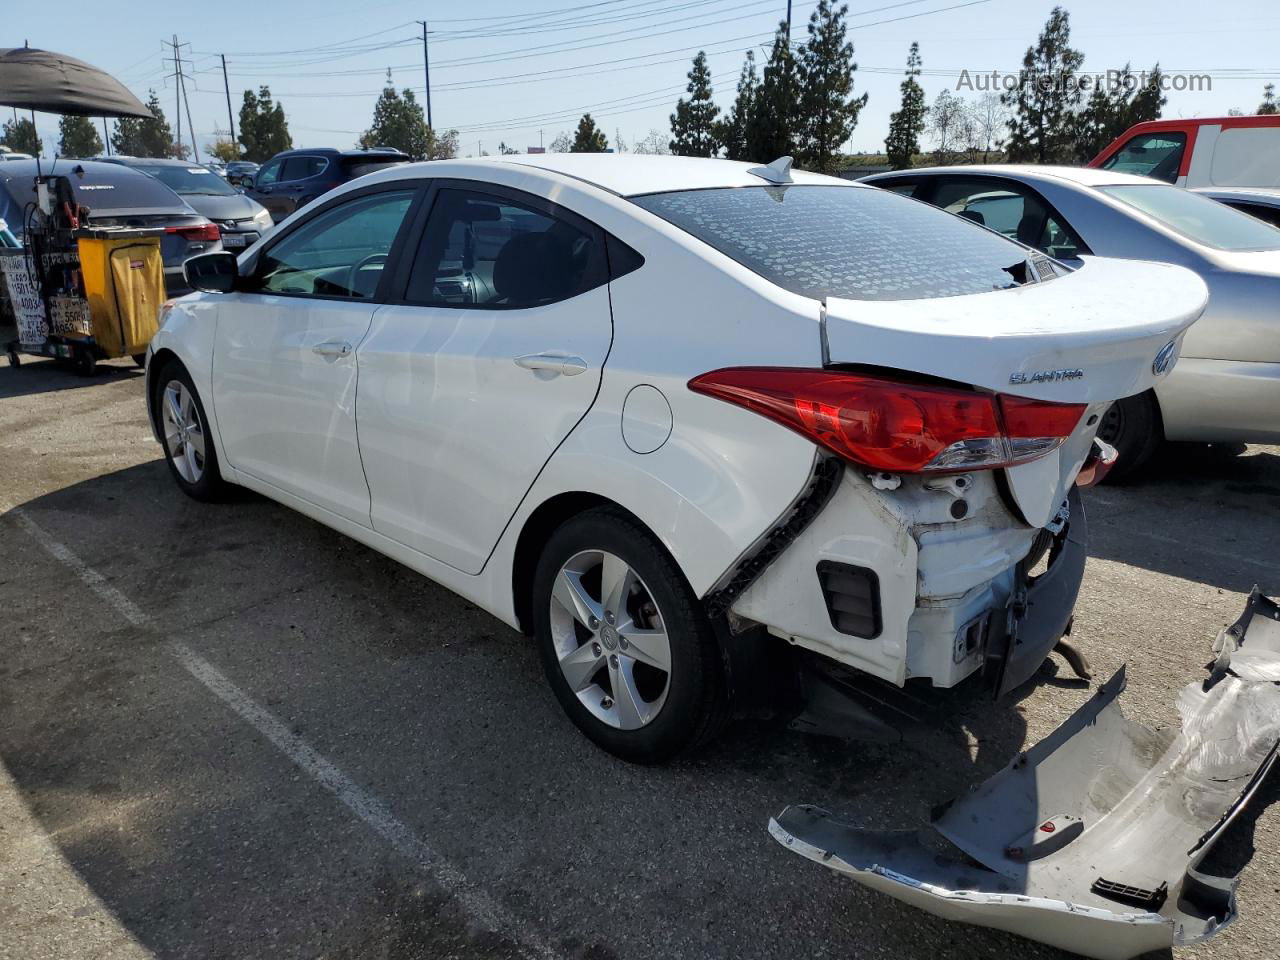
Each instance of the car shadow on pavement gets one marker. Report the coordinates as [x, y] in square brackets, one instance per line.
[204, 840]
[37, 375]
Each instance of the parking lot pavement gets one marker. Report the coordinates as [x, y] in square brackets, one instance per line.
[227, 731]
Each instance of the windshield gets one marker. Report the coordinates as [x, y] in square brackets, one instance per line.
[1198, 218]
[188, 180]
[862, 243]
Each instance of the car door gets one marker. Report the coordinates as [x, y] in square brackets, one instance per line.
[300, 182]
[469, 384]
[264, 189]
[284, 363]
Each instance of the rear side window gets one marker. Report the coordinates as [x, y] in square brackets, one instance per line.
[489, 251]
[1197, 217]
[301, 168]
[1266, 214]
[861, 243]
[1157, 155]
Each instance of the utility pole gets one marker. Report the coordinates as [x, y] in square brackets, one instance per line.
[106, 137]
[788, 19]
[195, 147]
[426, 70]
[177, 91]
[227, 87]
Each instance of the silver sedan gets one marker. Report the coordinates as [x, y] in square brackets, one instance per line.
[1226, 386]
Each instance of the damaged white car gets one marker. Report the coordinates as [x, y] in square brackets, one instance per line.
[662, 413]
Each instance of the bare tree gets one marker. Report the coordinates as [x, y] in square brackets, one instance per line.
[990, 117]
[946, 120]
[654, 142]
[561, 144]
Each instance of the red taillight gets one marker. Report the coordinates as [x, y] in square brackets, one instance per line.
[200, 233]
[897, 427]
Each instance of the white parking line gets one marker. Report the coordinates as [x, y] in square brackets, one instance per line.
[479, 905]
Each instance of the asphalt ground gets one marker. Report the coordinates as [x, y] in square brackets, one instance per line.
[226, 731]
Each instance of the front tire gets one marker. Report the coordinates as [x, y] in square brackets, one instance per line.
[188, 448]
[626, 646]
[1134, 427]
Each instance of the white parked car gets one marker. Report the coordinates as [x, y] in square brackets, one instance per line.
[661, 412]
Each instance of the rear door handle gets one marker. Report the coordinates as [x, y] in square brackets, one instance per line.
[553, 363]
[333, 348]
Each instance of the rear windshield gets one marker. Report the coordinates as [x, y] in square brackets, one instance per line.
[359, 166]
[861, 243]
[1197, 217]
[186, 181]
[118, 188]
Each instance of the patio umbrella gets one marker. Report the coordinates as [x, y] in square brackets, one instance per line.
[32, 79]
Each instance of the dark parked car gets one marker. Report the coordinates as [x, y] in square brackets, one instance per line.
[117, 196]
[240, 172]
[292, 179]
[240, 219]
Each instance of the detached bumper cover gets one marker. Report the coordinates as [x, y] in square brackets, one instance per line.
[1090, 841]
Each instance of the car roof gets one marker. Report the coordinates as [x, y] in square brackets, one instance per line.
[148, 161]
[630, 174]
[335, 152]
[1270, 196]
[1081, 176]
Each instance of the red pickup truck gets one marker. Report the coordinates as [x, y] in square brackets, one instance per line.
[1200, 152]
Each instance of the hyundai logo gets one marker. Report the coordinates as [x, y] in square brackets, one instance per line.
[1164, 359]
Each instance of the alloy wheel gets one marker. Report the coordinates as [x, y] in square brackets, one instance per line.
[183, 433]
[610, 640]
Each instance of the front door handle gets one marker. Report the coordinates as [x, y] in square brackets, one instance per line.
[333, 348]
[553, 363]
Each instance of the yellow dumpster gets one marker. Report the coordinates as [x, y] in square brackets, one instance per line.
[123, 276]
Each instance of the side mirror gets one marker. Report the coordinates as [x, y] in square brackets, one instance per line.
[212, 272]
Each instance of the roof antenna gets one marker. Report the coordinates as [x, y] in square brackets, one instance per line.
[777, 172]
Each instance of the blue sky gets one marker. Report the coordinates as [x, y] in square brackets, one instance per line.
[508, 70]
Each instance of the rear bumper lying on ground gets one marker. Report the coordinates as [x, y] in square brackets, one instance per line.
[1092, 839]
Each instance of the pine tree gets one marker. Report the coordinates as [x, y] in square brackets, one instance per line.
[398, 122]
[732, 130]
[693, 125]
[1110, 112]
[588, 138]
[828, 109]
[907, 123]
[144, 136]
[264, 131]
[78, 137]
[1042, 127]
[772, 127]
[1268, 106]
[20, 136]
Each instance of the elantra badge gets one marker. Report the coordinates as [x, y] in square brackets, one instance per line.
[1164, 359]
[1046, 376]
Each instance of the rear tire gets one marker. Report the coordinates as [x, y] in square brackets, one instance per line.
[1134, 427]
[188, 447]
[611, 610]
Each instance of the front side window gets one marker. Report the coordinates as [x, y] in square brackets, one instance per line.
[270, 173]
[484, 250]
[1197, 217]
[1157, 155]
[862, 243]
[340, 253]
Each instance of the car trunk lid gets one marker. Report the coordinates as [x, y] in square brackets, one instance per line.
[1111, 329]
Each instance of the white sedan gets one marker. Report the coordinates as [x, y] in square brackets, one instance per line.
[670, 416]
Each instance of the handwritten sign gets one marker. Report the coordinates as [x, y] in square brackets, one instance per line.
[28, 308]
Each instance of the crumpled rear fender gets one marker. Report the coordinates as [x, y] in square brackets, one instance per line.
[1091, 840]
